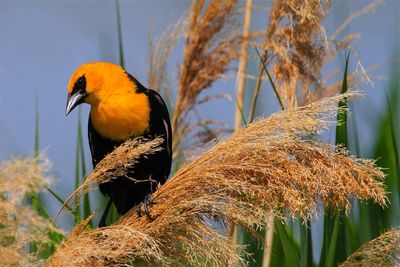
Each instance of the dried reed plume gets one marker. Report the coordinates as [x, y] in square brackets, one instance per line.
[19, 223]
[296, 43]
[273, 165]
[383, 251]
[159, 52]
[212, 43]
[114, 165]
[297, 47]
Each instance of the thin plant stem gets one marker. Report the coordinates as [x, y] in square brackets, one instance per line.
[239, 117]
[243, 66]
[257, 89]
[268, 238]
[119, 29]
[270, 80]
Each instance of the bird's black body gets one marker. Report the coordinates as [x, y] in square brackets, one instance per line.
[125, 193]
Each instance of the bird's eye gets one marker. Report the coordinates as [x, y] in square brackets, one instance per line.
[80, 84]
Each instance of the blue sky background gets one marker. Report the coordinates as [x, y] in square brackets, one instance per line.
[43, 42]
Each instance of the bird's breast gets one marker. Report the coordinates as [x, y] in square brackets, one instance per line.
[122, 117]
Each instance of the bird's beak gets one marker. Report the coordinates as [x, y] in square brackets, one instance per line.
[73, 101]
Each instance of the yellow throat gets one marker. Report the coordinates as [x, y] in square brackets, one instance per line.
[122, 116]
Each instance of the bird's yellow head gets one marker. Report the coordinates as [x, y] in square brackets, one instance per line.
[119, 109]
[94, 81]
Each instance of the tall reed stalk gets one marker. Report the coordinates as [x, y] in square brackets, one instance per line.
[212, 44]
[240, 92]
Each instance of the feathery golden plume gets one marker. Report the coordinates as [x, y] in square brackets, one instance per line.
[296, 45]
[114, 165]
[212, 43]
[383, 251]
[270, 166]
[19, 223]
[159, 52]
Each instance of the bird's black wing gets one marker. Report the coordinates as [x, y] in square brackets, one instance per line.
[160, 125]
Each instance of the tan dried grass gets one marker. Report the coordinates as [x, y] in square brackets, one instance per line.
[297, 47]
[273, 165]
[19, 223]
[159, 51]
[20, 176]
[383, 251]
[212, 43]
[296, 43]
[114, 165]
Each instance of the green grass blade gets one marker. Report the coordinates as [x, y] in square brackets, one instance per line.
[77, 163]
[256, 90]
[36, 146]
[352, 242]
[364, 225]
[86, 200]
[35, 197]
[341, 129]
[253, 245]
[113, 215]
[44, 250]
[372, 219]
[357, 226]
[241, 113]
[291, 248]
[386, 151]
[330, 253]
[306, 245]
[38, 206]
[355, 141]
[80, 171]
[341, 252]
[119, 30]
[277, 255]
[396, 157]
[75, 213]
[330, 256]
[47, 249]
[270, 79]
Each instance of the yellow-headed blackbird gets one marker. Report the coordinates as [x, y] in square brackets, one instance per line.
[122, 108]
